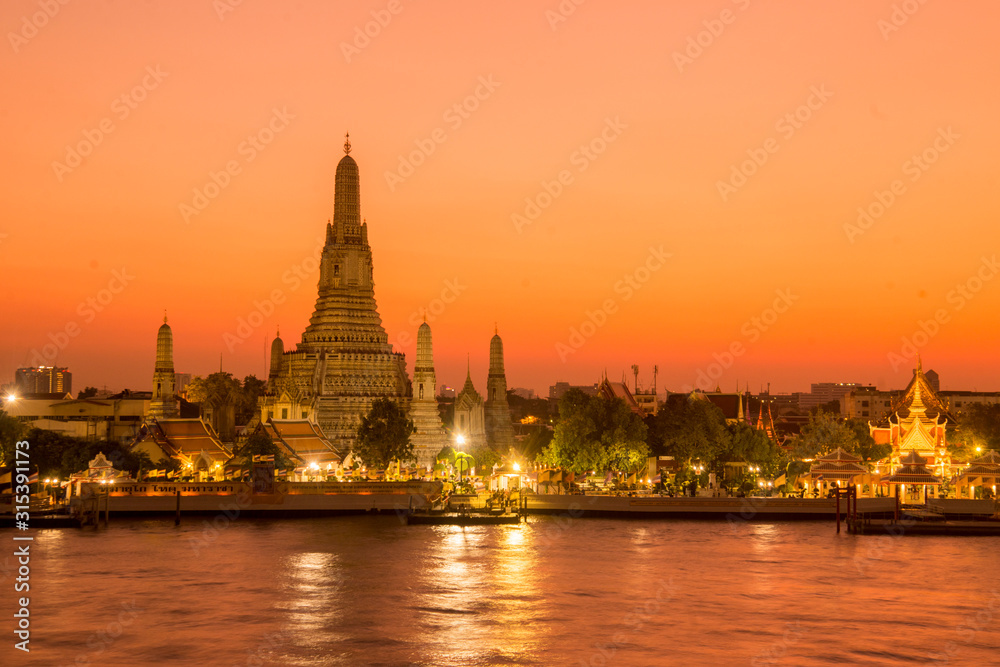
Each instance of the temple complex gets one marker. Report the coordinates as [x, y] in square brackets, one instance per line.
[918, 424]
[428, 437]
[469, 420]
[496, 411]
[163, 404]
[344, 361]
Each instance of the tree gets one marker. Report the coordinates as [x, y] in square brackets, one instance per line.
[747, 444]
[978, 426]
[260, 444]
[688, 429]
[532, 446]
[217, 389]
[823, 434]
[250, 392]
[87, 392]
[384, 435]
[10, 432]
[831, 407]
[594, 433]
[865, 445]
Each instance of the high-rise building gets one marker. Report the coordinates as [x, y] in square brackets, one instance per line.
[43, 380]
[344, 361]
[557, 390]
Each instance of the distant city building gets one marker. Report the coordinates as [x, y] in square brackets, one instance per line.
[345, 360]
[43, 380]
[116, 418]
[446, 392]
[557, 390]
[933, 380]
[825, 392]
[527, 394]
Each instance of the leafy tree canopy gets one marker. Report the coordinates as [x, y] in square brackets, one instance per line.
[594, 433]
[384, 435]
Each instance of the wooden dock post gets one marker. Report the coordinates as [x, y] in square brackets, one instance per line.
[177, 515]
[836, 499]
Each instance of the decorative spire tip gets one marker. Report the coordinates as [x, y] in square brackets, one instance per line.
[347, 143]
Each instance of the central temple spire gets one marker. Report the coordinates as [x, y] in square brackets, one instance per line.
[347, 194]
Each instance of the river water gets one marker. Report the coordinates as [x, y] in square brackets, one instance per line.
[367, 590]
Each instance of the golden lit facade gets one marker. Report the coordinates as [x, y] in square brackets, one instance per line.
[344, 361]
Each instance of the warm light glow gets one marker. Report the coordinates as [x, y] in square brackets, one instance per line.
[517, 466]
[314, 466]
[11, 398]
[459, 439]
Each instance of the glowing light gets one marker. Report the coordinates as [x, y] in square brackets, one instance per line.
[517, 467]
[11, 398]
[460, 440]
[314, 466]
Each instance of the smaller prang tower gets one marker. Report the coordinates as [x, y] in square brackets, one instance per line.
[163, 404]
[428, 433]
[499, 429]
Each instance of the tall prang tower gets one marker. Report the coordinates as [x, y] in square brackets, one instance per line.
[344, 361]
[428, 433]
[499, 429]
[163, 404]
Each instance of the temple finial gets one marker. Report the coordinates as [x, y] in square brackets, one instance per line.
[919, 364]
[347, 143]
[164, 315]
[496, 329]
[425, 316]
[277, 331]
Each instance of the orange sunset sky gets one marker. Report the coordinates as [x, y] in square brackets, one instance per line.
[672, 98]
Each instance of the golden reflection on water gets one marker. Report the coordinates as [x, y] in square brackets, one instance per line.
[311, 595]
[467, 562]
